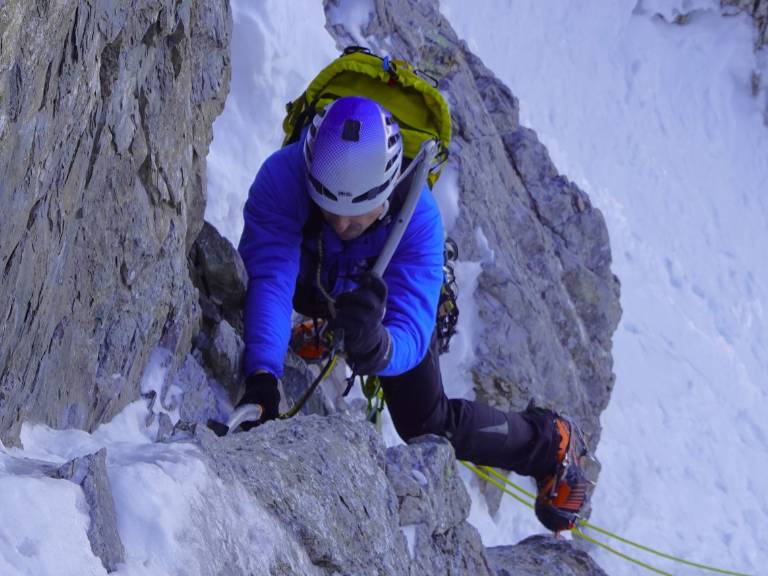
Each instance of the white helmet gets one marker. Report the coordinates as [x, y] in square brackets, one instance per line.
[353, 153]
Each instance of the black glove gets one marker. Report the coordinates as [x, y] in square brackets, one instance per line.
[261, 389]
[359, 314]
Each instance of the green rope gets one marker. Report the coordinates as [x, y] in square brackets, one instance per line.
[506, 480]
[311, 388]
[501, 487]
[658, 553]
[486, 473]
[580, 534]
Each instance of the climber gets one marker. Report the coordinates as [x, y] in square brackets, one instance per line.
[317, 216]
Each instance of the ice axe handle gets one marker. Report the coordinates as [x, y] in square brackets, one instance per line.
[425, 157]
[245, 413]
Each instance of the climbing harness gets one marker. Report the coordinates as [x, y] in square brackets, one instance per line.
[312, 340]
[502, 483]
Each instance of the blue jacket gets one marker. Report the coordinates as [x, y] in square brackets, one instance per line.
[276, 212]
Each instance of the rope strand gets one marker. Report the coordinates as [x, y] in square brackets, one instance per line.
[495, 478]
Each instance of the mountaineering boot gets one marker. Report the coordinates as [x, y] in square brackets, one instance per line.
[562, 490]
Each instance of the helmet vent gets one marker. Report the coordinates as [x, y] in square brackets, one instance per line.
[351, 130]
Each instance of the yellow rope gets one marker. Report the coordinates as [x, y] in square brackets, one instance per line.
[619, 554]
[495, 478]
[318, 277]
[495, 483]
[658, 553]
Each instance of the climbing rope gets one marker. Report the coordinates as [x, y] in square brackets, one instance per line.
[311, 388]
[501, 482]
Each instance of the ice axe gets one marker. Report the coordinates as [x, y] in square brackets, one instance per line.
[245, 413]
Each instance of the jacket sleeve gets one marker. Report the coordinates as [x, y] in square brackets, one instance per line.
[270, 247]
[414, 278]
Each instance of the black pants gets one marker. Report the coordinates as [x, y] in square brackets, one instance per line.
[518, 441]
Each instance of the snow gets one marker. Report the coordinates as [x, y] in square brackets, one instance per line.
[175, 516]
[409, 532]
[418, 475]
[277, 48]
[44, 535]
[657, 123]
[355, 15]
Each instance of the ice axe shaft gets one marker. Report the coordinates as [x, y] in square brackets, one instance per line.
[424, 160]
[420, 166]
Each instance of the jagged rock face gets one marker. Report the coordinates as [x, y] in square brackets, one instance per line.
[218, 272]
[349, 505]
[542, 555]
[547, 297]
[90, 473]
[106, 111]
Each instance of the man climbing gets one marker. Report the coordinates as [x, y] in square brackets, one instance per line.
[317, 216]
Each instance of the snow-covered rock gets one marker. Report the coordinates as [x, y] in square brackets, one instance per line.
[90, 473]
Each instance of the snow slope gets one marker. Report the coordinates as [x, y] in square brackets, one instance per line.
[657, 123]
[277, 47]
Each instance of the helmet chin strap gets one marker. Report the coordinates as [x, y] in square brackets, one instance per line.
[385, 210]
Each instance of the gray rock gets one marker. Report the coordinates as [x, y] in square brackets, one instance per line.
[297, 377]
[457, 552]
[429, 490]
[542, 555]
[324, 480]
[224, 354]
[433, 500]
[90, 473]
[202, 397]
[546, 294]
[219, 274]
[106, 114]
[164, 427]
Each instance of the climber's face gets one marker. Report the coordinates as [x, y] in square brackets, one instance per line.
[350, 227]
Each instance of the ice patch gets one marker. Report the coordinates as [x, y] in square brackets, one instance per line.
[418, 475]
[409, 532]
[446, 194]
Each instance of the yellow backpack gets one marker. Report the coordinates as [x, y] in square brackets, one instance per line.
[411, 96]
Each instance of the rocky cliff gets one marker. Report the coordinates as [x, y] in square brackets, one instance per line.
[105, 120]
